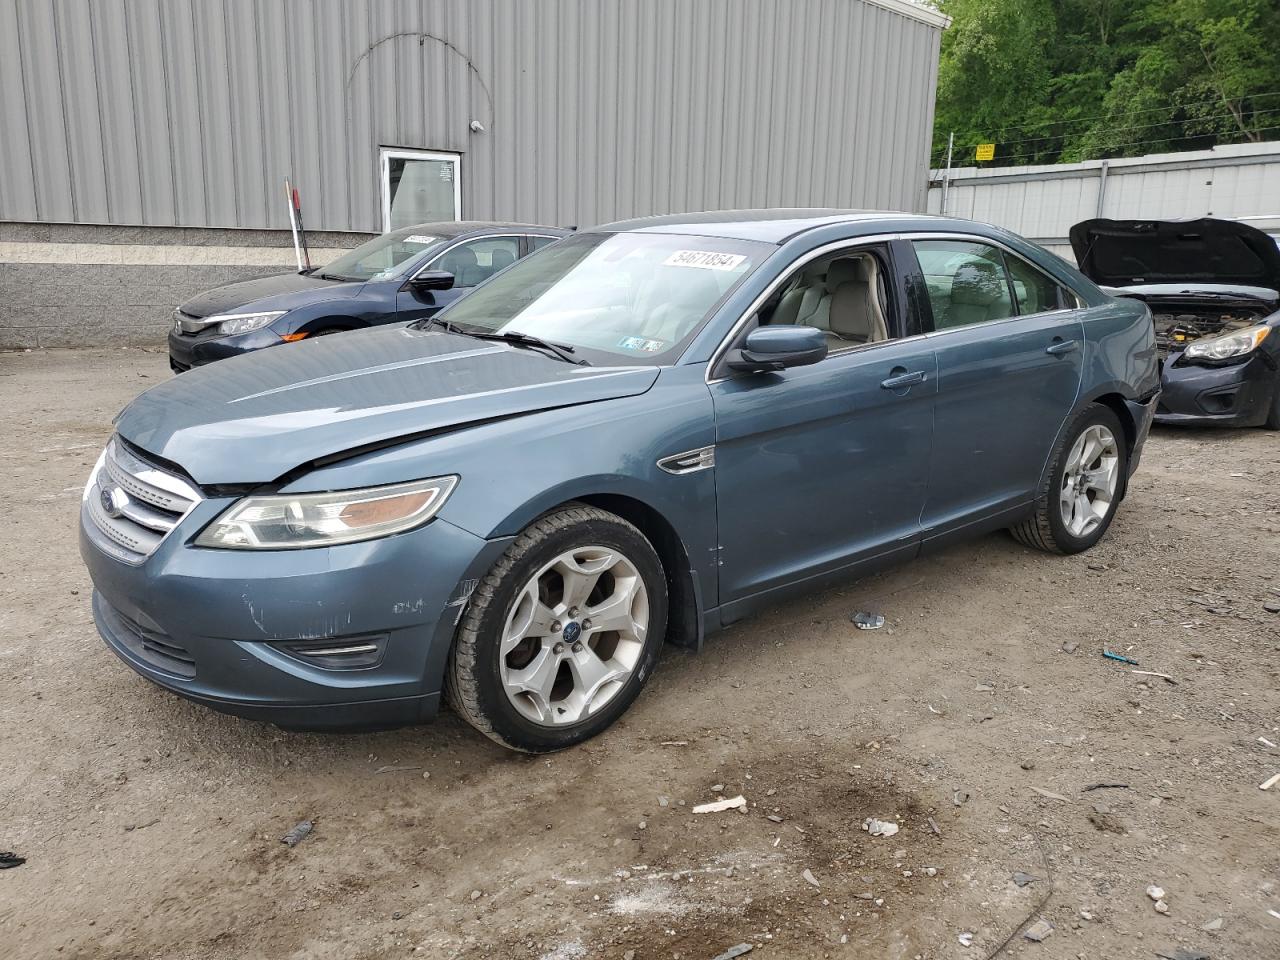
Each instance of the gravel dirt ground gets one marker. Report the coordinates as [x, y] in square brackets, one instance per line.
[984, 709]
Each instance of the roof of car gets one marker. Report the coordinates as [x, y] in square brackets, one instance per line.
[448, 229]
[769, 225]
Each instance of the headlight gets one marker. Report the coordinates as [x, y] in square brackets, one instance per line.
[242, 322]
[293, 521]
[1235, 344]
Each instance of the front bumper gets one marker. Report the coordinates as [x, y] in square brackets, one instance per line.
[186, 352]
[1236, 396]
[209, 624]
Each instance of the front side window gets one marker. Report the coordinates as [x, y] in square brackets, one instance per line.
[620, 298]
[967, 282]
[845, 295]
[476, 261]
[382, 258]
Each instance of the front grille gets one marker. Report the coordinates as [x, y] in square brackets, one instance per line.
[132, 505]
[154, 647]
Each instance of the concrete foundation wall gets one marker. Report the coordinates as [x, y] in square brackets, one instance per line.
[75, 285]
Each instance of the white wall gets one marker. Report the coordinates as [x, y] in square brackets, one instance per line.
[1042, 202]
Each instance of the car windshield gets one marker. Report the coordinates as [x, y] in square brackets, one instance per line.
[615, 297]
[382, 257]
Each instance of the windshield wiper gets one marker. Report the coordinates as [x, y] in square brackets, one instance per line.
[562, 351]
[336, 277]
[440, 322]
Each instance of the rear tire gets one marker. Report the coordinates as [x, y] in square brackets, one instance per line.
[1082, 489]
[528, 667]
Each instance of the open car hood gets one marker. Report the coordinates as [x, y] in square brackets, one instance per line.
[1122, 253]
[254, 418]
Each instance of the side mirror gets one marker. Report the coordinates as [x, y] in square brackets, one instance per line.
[432, 280]
[776, 348]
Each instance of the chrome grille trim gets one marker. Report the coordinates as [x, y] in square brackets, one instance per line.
[185, 324]
[132, 505]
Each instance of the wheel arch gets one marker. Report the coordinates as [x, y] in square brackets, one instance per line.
[1114, 400]
[684, 618]
[329, 321]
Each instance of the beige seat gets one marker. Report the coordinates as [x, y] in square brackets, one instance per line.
[852, 308]
[843, 302]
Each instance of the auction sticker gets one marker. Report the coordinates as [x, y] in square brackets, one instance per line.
[420, 238]
[704, 260]
[640, 343]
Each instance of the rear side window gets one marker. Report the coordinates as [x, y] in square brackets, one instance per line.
[537, 243]
[967, 282]
[1035, 292]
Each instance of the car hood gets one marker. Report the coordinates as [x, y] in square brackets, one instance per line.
[284, 291]
[254, 418]
[1208, 293]
[1120, 253]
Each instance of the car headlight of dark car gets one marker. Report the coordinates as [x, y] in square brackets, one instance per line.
[294, 521]
[1230, 346]
[231, 323]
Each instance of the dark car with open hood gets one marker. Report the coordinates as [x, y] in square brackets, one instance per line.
[407, 274]
[1213, 287]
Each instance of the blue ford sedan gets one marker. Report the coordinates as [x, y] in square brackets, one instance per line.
[639, 434]
[403, 275]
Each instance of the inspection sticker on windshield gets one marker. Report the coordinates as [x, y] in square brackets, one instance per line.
[704, 259]
[420, 238]
[640, 343]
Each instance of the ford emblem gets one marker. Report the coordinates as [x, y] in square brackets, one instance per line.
[113, 501]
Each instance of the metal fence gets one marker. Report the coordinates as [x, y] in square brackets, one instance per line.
[1239, 181]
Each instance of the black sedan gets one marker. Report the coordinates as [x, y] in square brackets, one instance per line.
[1213, 287]
[407, 274]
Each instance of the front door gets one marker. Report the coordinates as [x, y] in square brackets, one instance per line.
[1009, 355]
[824, 468]
[471, 262]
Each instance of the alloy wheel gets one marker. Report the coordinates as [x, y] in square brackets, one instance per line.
[1090, 480]
[574, 635]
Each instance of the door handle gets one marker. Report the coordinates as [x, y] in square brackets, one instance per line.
[1060, 347]
[900, 380]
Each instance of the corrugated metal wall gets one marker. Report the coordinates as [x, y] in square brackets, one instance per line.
[1041, 203]
[192, 112]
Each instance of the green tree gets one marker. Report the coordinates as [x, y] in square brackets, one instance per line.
[1063, 80]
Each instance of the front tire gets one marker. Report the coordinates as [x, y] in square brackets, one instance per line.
[561, 635]
[1079, 496]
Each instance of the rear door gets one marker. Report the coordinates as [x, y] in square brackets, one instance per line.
[823, 468]
[1009, 346]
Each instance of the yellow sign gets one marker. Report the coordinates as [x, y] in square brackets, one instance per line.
[986, 151]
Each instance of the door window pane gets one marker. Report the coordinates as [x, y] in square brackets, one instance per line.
[476, 261]
[537, 243]
[967, 282]
[1036, 293]
[420, 189]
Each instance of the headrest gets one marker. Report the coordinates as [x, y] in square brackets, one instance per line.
[459, 259]
[848, 270]
[977, 283]
[502, 259]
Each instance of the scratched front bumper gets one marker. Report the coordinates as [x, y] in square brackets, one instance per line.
[206, 624]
